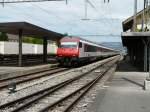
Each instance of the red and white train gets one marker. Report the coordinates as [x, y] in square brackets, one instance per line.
[74, 50]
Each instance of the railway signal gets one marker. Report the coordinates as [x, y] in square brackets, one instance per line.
[12, 87]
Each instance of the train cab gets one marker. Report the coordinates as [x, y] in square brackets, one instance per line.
[68, 49]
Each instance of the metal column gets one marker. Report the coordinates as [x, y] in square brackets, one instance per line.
[146, 44]
[143, 16]
[145, 57]
[132, 55]
[85, 16]
[45, 50]
[135, 13]
[149, 60]
[149, 55]
[20, 47]
[145, 54]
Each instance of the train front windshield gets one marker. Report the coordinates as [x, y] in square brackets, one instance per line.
[68, 45]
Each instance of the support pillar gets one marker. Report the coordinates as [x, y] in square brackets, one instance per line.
[145, 54]
[147, 81]
[149, 60]
[45, 50]
[132, 55]
[20, 48]
[134, 17]
[129, 51]
[145, 57]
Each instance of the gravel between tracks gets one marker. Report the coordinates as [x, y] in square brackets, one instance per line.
[61, 93]
[46, 83]
[84, 104]
[39, 86]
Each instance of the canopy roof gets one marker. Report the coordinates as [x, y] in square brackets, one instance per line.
[29, 29]
[128, 23]
[135, 34]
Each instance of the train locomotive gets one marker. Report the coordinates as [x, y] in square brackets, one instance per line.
[75, 50]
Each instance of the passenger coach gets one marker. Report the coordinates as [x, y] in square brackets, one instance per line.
[75, 50]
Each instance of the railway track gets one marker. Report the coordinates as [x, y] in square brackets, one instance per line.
[66, 103]
[29, 77]
[76, 86]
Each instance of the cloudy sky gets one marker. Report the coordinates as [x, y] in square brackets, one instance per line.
[104, 18]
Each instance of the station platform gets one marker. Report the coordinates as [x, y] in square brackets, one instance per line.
[6, 71]
[124, 92]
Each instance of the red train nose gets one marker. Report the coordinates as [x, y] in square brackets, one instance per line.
[69, 52]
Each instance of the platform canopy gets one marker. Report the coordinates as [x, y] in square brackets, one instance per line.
[128, 23]
[135, 34]
[29, 29]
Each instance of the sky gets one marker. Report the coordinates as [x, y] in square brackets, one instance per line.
[104, 18]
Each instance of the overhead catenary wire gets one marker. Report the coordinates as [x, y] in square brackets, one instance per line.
[72, 24]
[107, 22]
[23, 1]
[29, 16]
[48, 12]
[110, 20]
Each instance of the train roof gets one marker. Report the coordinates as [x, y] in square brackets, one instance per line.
[87, 41]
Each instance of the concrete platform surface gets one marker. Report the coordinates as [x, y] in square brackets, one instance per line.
[6, 71]
[124, 93]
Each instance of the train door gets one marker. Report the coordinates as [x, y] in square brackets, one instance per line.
[81, 49]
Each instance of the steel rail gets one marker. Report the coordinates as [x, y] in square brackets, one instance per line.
[44, 92]
[37, 93]
[29, 78]
[86, 87]
[84, 92]
[57, 87]
[14, 77]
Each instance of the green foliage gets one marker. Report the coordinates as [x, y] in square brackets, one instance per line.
[3, 36]
[65, 34]
[138, 30]
[32, 40]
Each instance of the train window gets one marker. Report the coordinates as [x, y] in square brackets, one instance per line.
[90, 48]
[85, 48]
[68, 45]
[80, 45]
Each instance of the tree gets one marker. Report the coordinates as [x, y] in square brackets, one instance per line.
[65, 34]
[3, 36]
[32, 40]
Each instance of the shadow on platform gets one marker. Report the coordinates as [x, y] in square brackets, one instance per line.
[133, 82]
[126, 66]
